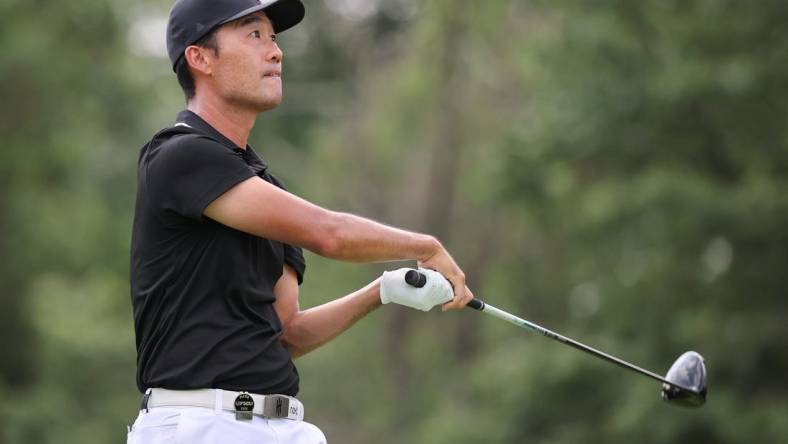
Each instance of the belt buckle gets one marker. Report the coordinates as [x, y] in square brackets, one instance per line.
[276, 406]
[244, 406]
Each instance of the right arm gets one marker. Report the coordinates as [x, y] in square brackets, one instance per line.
[262, 209]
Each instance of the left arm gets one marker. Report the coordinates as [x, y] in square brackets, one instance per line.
[304, 331]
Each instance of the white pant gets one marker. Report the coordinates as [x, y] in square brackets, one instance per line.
[198, 425]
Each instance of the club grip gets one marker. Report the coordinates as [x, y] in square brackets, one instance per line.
[418, 280]
[415, 279]
[476, 304]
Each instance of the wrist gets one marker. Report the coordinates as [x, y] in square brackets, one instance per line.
[374, 293]
[431, 247]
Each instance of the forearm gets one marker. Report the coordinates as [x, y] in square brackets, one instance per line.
[309, 329]
[353, 238]
[358, 239]
[257, 207]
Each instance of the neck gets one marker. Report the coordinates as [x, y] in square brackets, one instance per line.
[233, 122]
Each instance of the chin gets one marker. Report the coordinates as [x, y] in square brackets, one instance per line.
[260, 104]
[270, 103]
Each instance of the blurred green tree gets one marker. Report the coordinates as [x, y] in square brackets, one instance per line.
[621, 171]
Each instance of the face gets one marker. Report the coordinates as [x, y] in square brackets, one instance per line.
[247, 70]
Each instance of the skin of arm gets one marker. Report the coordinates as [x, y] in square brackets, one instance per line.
[260, 208]
[304, 331]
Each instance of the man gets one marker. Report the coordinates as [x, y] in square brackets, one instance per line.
[216, 247]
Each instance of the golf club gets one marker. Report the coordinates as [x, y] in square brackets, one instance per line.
[684, 384]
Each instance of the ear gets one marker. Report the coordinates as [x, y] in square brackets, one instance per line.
[199, 59]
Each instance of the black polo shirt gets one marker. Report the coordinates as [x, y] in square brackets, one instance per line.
[202, 292]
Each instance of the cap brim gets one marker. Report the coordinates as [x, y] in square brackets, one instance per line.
[284, 14]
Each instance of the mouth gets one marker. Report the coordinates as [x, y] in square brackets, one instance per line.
[275, 74]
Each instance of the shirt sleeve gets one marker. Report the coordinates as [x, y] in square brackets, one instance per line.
[294, 257]
[189, 172]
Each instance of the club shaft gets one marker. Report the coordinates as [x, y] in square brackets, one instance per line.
[480, 305]
[416, 279]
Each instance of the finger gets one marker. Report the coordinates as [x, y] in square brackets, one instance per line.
[454, 303]
[461, 293]
[460, 297]
[457, 304]
[468, 296]
[459, 284]
[464, 299]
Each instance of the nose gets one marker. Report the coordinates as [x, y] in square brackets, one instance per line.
[274, 53]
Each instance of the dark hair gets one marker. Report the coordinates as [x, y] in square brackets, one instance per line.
[185, 78]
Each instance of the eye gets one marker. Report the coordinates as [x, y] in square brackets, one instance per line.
[256, 34]
[273, 37]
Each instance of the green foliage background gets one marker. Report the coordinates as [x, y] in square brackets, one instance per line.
[614, 170]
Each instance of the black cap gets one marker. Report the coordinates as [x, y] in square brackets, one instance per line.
[190, 20]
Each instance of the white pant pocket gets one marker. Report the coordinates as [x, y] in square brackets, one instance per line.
[158, 426]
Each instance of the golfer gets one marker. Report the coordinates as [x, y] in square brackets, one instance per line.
[216, 257]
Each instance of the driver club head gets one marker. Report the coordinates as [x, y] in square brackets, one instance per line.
[688, 372]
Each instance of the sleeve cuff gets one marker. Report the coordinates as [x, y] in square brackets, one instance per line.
[294, 257]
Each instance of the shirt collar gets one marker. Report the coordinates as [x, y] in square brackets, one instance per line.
[192, 120]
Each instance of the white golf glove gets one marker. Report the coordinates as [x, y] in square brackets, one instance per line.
[436, 291]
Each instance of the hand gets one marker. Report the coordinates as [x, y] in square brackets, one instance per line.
[393, 288]
[442, 262]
